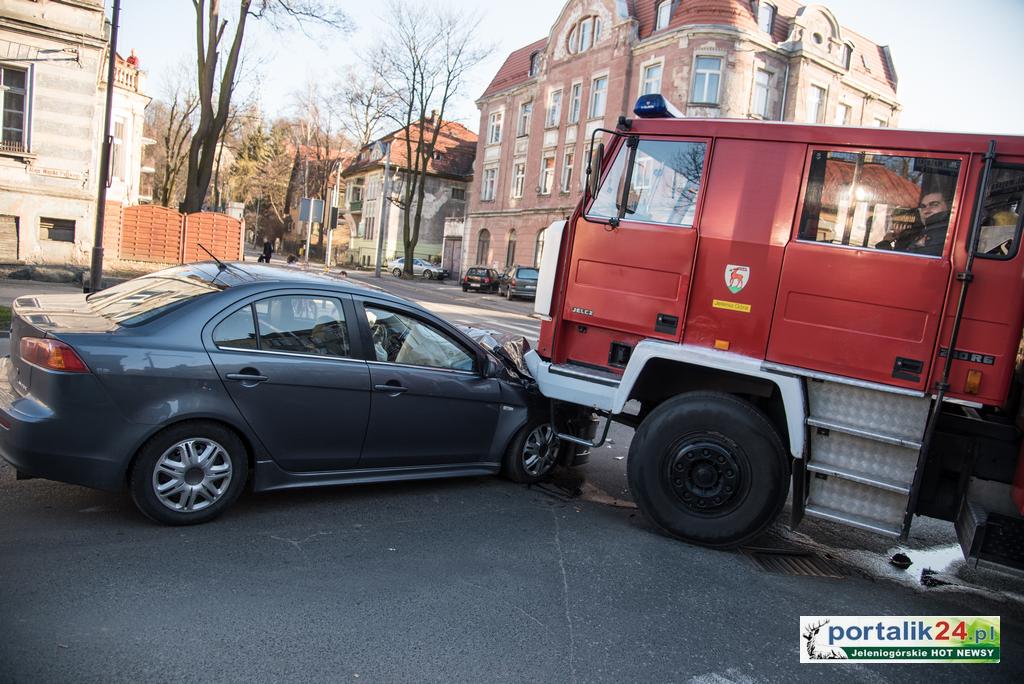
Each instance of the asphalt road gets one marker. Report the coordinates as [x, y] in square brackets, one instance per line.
[461, 580]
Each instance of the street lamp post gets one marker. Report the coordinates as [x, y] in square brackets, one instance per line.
[96, 265]
[385, 147]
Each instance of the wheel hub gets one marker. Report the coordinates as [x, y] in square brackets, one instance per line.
[192, 475]
[704, 475]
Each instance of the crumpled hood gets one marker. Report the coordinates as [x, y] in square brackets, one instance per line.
[510, 349]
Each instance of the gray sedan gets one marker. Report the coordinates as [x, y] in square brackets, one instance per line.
[185, 384]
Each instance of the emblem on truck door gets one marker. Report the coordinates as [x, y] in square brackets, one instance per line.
[736, 277]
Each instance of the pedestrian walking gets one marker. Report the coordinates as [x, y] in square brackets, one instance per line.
[268, 251]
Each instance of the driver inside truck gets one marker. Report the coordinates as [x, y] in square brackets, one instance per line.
[927, 234]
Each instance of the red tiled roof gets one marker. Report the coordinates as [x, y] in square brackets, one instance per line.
[516, 68]
[456, 146]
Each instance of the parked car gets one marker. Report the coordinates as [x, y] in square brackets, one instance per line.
[480, 278]
[419, 268]
[184, 384]
[519, 281]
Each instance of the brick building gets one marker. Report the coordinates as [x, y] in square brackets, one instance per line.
[753, 59]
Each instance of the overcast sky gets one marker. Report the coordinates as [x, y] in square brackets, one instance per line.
[959, 63]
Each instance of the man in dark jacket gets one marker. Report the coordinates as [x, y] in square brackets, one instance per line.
[928, 234]
[268, 251]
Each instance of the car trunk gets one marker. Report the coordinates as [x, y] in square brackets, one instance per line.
[48, 316]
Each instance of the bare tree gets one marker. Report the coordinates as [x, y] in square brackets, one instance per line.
[170, 120]
[216, 85]
[422, 61]
[365, 104]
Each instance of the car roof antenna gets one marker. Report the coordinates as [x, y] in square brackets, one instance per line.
[220, 264]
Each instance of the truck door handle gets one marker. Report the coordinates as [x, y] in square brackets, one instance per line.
[392, 388]
[250, 378]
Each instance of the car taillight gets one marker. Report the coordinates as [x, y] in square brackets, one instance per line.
[487, 280]
[51, 355]
[513, 282]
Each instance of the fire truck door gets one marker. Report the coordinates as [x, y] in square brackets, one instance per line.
[634, 278]
[866, 273]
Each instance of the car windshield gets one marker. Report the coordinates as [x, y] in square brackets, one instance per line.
[143, 299]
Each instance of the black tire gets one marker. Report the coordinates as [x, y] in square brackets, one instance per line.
[532, 454]
[465, 289]
[397, 273]
[708, 468]
[428, 274]
[144, 476]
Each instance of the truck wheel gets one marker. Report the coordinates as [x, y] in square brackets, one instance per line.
[708, 468]
[189, 473]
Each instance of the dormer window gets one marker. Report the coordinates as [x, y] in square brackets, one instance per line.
[847, 53]
[584, 35]
[535, 63]
[765, 17]
[664, 13]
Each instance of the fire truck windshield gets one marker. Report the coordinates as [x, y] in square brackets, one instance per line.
[664, 185]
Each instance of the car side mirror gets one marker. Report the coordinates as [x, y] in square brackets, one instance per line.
[493, 368]
[596, 159]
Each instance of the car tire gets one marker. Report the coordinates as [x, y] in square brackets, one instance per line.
[532, 454]
[169, 484]
[465, 289]
[708, 468]
[428, 274]
[397, 273]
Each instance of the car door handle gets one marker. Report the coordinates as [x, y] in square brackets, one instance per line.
[392, 389]
[247, 377]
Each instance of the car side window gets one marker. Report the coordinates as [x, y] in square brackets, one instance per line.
[398, 338]
[237, 331]
[303, 324]
[1001, 217]
[879, 201]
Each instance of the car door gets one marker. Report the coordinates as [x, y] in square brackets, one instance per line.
[292, 363]
[864, 279]
[430, 405]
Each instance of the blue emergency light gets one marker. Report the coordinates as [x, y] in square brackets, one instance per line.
[655, 106]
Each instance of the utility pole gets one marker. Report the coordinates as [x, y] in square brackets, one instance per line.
[96, 267]
[385, 204]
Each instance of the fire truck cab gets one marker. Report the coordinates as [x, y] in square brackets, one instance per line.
[837, 311]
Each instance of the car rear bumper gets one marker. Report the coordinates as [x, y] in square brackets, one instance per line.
[78, 448]
[524, 292]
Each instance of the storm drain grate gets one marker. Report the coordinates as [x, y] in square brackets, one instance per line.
[792, 563]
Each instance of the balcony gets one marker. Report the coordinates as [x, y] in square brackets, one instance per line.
[355, 206]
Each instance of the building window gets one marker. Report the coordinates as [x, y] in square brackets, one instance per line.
[598, 95]
[483, 246]
[847, 53]
[459, 194]
[584, 35]
[664, 12]
[368, 225]
[510, 255]
[554, 109]
[706, 79]
[535, 63]
[494, 128]
[651, 82]
[765, 16]
[547, 173]
[489, 183]
[518, 179]
[842, 114]
[58, 230]
[815, 104]
[525, 114]
[762, 83]
[880, 123]
[538, 248]
[568, 161]
[117, 165]
[13, 88]
[574, 102]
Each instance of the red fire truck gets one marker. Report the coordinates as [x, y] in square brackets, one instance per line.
[836, 311]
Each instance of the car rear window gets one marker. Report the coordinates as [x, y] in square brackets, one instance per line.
[527, 273]
[475, 271]
[140, 300]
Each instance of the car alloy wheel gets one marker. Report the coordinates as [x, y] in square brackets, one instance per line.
[429, 275]
[397, 273]
[192, 475]
[540, 451]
